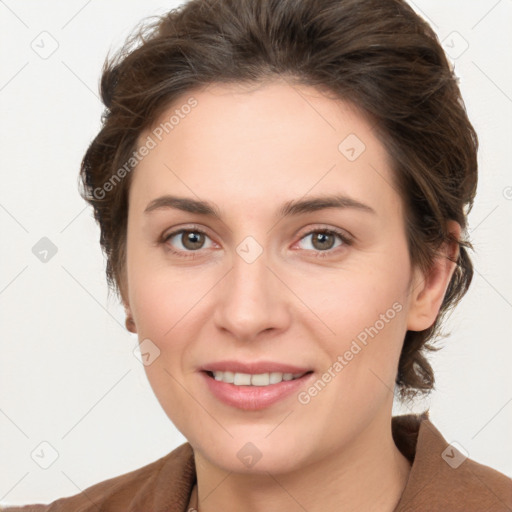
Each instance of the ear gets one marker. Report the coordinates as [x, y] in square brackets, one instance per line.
[428, 291]
[123, 294]
[129, 322]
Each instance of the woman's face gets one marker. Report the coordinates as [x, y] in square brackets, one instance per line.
[325, 290]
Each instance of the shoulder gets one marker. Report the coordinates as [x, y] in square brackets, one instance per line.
[442, 477]
[160, 481]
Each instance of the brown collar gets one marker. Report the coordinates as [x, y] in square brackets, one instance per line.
[441, 478]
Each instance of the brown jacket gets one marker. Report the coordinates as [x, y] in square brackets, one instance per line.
[441, 479]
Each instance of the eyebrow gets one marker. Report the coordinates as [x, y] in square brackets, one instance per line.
[290, 208]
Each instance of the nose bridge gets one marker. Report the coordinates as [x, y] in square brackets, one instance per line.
[250, 300]
[250, 273]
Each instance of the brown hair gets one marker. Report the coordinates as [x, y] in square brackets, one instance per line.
[377, 54]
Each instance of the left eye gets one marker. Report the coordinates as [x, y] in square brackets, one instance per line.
[323, 239]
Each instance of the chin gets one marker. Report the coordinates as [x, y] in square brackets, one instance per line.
[254, 451]
[253, 458]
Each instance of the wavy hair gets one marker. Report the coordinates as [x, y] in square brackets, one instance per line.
[379, 55]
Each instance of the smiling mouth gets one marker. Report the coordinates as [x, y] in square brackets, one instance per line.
[255, 380]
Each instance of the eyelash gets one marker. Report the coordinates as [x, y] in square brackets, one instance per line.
[318, 254]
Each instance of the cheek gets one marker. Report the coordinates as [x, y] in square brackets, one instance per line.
[160, 297]
[350, 302]
[364, 321]
[163, 310]
[170, 308]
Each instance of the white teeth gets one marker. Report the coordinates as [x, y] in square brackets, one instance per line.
[248, 379]
[262, 379]
[242, 379]
[228, 377]
[276, 377]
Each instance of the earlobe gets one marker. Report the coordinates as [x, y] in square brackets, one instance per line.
[428, 290]
[123, 293]
[129, 322]
[130, 325]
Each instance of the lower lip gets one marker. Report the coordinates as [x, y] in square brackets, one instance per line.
[253, 398]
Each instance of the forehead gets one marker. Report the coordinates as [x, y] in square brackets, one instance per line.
[240, 143]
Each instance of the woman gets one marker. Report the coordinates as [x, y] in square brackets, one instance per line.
[282, 190]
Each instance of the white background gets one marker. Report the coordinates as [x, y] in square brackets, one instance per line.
[68, 375]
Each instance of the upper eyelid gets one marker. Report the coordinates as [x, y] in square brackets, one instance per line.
[166, 235]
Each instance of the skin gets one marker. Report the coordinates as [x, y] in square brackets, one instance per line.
[249, 150]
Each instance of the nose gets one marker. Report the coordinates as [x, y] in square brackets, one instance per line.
[252, 300]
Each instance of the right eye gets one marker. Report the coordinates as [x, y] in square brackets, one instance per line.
[188, 240]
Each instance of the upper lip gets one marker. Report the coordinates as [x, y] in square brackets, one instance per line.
[253, 367]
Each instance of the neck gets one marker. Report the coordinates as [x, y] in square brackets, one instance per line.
[370, 474]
